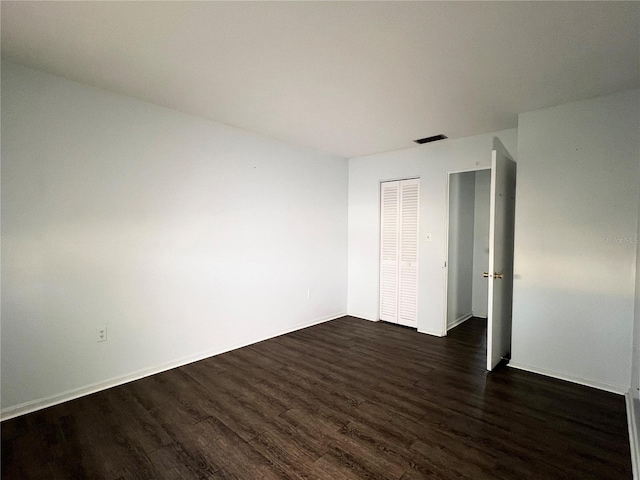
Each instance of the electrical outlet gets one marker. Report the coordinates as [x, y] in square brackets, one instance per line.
[102, 334]
[309, 292]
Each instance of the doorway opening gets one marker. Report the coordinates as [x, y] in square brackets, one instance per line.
[474, 257]
[468, 246]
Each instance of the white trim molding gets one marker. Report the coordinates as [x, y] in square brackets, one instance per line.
[632, 401]
[435, 334]
[363, 317]
[620, 390]
[460, 320]
[39, 404]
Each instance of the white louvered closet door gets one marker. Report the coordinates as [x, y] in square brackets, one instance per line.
[408, 267]
[389, 246]
[399, 252]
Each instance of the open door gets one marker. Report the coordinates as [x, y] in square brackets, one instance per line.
[501, 228]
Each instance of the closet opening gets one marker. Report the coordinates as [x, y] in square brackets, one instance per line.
[479, 261]
[468, 246]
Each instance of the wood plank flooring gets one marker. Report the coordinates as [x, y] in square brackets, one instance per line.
[347, 399]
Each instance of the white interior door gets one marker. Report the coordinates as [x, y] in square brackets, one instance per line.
[408, 265]
[389, 250]
[399, 213]
[501, 229]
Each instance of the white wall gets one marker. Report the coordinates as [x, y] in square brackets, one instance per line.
[431, 162]
[462, 194]
[633, 397]
[480, 304]
[182, 236]
[635, 364]
[576, 218]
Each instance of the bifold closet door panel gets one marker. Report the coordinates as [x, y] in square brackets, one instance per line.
[389, 250]
[408, 265]
[399, 213]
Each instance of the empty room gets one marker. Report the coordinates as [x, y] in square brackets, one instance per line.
[321, 240]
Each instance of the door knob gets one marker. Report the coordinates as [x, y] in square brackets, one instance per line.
[485, 274]
[497, 275]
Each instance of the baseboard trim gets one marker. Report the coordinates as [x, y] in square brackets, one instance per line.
[459, 321]
[633, 417]
[39, 404]
[363, 317]
[569, 378]
[429, 332]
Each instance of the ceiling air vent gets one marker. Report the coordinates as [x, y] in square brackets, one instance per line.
[435, 138]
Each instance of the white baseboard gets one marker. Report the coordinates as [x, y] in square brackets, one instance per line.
[459, 320]
[632, 402]
[39, 404]
[364, 317]
[429, 332]
[620, 390]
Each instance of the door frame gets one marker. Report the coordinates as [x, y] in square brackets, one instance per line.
[446, 241]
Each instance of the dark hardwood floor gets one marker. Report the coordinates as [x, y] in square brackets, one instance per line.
[342, 400]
